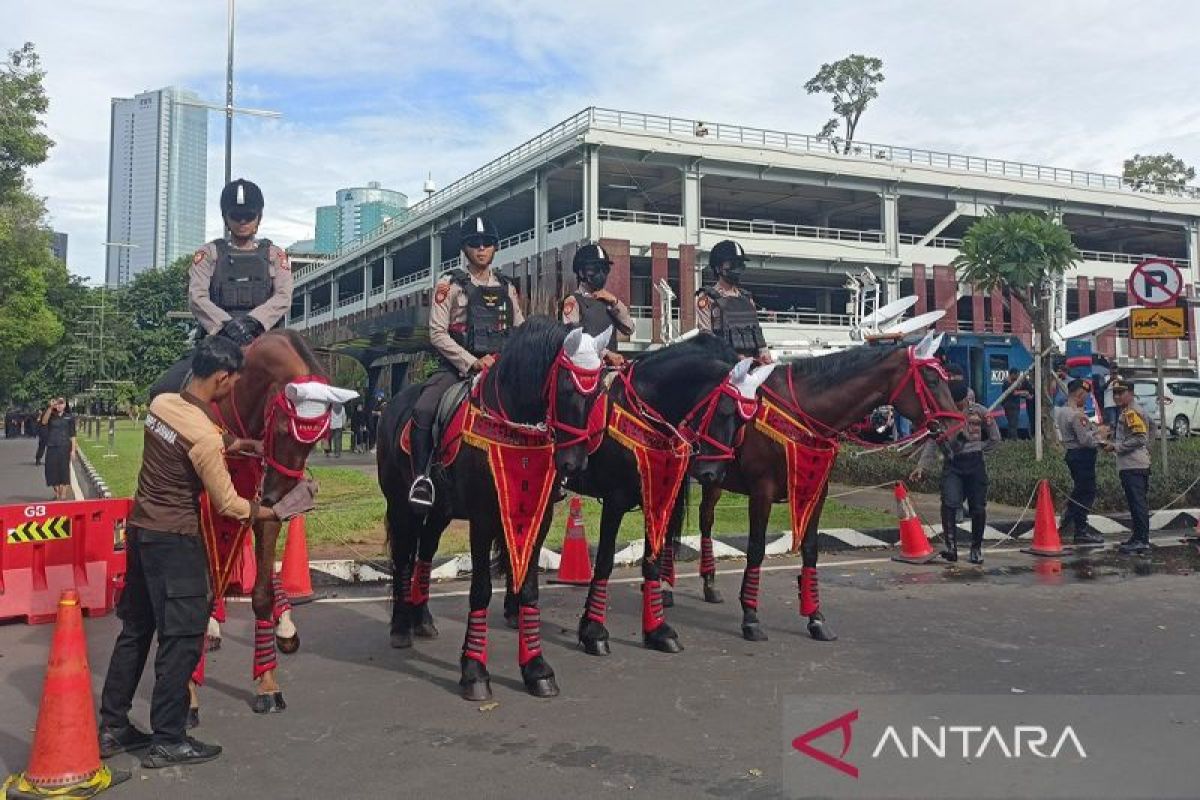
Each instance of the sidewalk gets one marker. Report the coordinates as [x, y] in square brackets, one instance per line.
[20, 480]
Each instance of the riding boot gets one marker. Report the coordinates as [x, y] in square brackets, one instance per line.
[977, 525]
[949, 532]
[421, 494]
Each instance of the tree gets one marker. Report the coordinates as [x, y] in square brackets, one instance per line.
[23, 102]
[853, 83]
[1022, 253]
[1163, 171]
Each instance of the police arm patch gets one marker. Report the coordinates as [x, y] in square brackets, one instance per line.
[702, 301]
[439, 296]
[284, 263]
[568, 307]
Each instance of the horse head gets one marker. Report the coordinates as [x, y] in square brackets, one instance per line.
[921, 387]
[571, 389]
[717, 419]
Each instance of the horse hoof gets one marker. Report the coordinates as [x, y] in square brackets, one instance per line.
[193, 720]
[511, 621]
[477, 691]
[713, 595]
[288, 645]
[819, 630]
[425, 630]
[668, 598]
[595, 647]
[268, 703]
[402, 640]
[663, 644]
[754, 633]
[543, 687]
[212, 643]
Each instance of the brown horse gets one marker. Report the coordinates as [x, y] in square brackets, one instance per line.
[815, 400]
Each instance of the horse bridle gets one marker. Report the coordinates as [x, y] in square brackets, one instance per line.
[304, 430]
[586, 381]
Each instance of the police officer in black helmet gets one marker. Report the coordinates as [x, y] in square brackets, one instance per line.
[591, 306]
[473, 310]
[727, 310]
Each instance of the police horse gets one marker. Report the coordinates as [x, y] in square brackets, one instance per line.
[500, 454]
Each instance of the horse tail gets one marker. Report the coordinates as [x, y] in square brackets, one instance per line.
[679, 514]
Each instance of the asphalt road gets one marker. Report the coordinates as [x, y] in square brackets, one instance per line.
[368, 721]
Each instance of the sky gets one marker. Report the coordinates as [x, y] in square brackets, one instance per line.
[390, 92]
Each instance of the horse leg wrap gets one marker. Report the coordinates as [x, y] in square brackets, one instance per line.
[198, 672]
[652, 606]
[597, 601]
[529, 633]
[264, 647]
[218, 610]
[282, 603]
[404, 583]
[666, 570]
[475, 645]
[708, 563]
[419, 593]
[750, 588]
[810, 595]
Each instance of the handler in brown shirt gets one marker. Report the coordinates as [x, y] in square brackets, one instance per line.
[166, 579]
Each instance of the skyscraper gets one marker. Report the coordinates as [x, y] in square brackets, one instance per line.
[157, 172]
[358, 211]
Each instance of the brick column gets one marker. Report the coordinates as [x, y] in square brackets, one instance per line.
[997, 305]
[618, 279]
[687, 287]
[658, 269]
[918, 274]
[1106, 342]
[1021, 324]
[1082, 290]
[945, 296]
[978, 315]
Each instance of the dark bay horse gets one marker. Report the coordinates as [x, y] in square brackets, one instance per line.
[812, 401]
[536, 399]
[672, 410]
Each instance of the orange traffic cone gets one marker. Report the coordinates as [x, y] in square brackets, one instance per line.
[1045, 530]
[297, 581]
[914, 545]
[575, 564]
[1049, 571]
[65, 761]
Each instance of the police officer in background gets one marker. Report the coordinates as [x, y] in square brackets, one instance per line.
[591, 306]
[1082, 438]
[964, 473]
[727, 310]
[1131, 444]
[473, 311]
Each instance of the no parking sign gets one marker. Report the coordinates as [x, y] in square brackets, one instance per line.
[1156, 282]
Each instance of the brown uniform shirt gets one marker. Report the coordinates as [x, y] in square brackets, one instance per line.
[704, 309]
[450, 308]
[210, 316]
[184, 453]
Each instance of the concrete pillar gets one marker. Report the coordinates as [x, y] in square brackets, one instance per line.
[591, 192]
[1193, 248]
[541, 209]
[658, 269]
[889, 222]
[687, 287]
[368, 275]
[435, 254]
[691, 203]
[389, 266]
[307, 303]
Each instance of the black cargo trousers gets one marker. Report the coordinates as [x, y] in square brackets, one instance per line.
[166, 593]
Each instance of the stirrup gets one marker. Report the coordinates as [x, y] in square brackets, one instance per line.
[421, 494]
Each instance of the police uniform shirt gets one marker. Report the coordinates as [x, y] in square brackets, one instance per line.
[1075, 428]
[969, 439]
[1132, 439]
[618, 312]
[211, 316]
[183, 453]
[704, 308]
[449, 311]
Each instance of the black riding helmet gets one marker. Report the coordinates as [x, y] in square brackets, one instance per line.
[730, 251]
[241, 196]
[477, 230]
[592, 264]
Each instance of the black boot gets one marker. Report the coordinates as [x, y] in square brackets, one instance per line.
[977, 525]
[421, 495]
[949, 532]
[1135, 545]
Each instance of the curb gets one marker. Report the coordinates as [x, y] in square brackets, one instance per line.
[95, 487]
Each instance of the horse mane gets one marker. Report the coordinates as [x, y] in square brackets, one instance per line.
[828, 371]
[308, 363]
[663, 375]
[521, 368]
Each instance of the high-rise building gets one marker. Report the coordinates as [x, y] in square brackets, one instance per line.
[58, 245]
[157, 173]
[357, 211]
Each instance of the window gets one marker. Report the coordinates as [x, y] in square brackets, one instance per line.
[1144, 389]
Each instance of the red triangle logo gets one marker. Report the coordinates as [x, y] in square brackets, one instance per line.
[842, 723]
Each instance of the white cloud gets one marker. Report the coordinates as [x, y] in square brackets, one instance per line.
[389, 91]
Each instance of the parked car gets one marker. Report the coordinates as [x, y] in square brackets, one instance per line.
[1181, 400]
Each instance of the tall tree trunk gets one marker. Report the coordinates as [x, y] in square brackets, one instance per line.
[1041, 322]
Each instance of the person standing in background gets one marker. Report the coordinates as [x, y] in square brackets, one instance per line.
[59, 425]
[337, 421]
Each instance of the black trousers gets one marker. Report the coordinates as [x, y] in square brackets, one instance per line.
[1136, 483]
[166, 593]
[432, 390]
[1082, 464]
[965, 478]
[1012, 416]
[41, 448]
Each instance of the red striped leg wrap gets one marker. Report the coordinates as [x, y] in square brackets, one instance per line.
[750, 588]
[218, 610]
[475, 645]
[419, 595]
[529, 632]
[282, 603]
[198, 672]
[597, 601]
[403, 580]
[810, 595]
[264, 647]
[652, 607]
[666, 568]
[708, 564]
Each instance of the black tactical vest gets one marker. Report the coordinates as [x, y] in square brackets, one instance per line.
[241, 281]
[489, 315]
[594, 318]
[735, 320]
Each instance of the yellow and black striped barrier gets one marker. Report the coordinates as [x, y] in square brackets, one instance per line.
[41, 530]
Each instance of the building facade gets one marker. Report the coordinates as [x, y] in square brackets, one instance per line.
[58, 246]
[659, 192]
[157, 181]
[357, 212]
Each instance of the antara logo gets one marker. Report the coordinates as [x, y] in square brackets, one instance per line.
[944, 741]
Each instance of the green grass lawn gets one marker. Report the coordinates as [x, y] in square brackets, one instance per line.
[349, 512]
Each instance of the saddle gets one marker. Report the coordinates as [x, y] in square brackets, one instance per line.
[447, 424]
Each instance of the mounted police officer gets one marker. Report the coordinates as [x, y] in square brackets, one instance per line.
[1131, 444]
[591, 306]
[473, 310]
[238, 286]
[1082, 438]
[727, 310]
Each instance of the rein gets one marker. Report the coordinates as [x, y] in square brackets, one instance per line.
[305, 430]
[586, 382]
